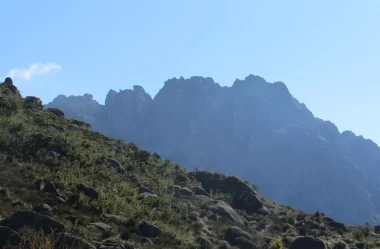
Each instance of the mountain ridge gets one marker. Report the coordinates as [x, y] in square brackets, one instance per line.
[276, 141]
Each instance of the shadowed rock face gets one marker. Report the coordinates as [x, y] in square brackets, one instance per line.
[255, 130]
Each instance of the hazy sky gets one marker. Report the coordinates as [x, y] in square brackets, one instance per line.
[326, 52]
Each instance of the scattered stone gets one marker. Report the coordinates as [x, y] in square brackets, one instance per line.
[67, 240]
[88, 191]
[200, 191]
[236, 232]
[101, 226]
[9, 236]
[143, 190]
[148, 195]
[202, 198]
[71, 218]
[46, 186]
[310, 224]
[116, 165]
[116, 243]
[288, 227]
[283, 213]
[334, 224]
[18, 203]
[307, 242]
[203, 242]
[42, 207]
[149, 230]
[360, 245]
[244, 243]
[179, 191]
[60, 200]
[263, 211]
[340, 245]
[73, 199]
[32, 220]
[249, 201]
[223, 209]
[132, 179]
[113, 218]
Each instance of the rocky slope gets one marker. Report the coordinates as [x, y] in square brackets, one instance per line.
[255, 130]
[63, 185]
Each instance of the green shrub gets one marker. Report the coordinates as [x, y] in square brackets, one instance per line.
[277, 243]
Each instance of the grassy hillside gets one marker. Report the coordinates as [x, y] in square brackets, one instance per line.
[59, 179]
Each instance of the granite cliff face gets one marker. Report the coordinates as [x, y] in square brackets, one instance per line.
[255, 130]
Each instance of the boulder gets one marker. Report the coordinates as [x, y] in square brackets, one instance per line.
[181, 191]
[101, 226]
[243, 243]
[244, 195]
[200, 191]
[113, 218]
[263, 211]
[33, 220]
[203, 242]
[149, 230]
[340, 245]
[223, 209]
[72, 218]
[143, 189]
[307, 242]
[46, 186]
[236, 232]
[87, 191]
[116, 165]
[42, 208]
[334, 224]
[147, 195]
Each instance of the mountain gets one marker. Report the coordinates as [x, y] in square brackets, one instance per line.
[63, 185]
[255, 130]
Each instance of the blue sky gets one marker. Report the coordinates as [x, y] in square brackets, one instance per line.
[326, 52]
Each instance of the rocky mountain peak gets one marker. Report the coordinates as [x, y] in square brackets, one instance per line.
[255, 130]
[137, 96]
